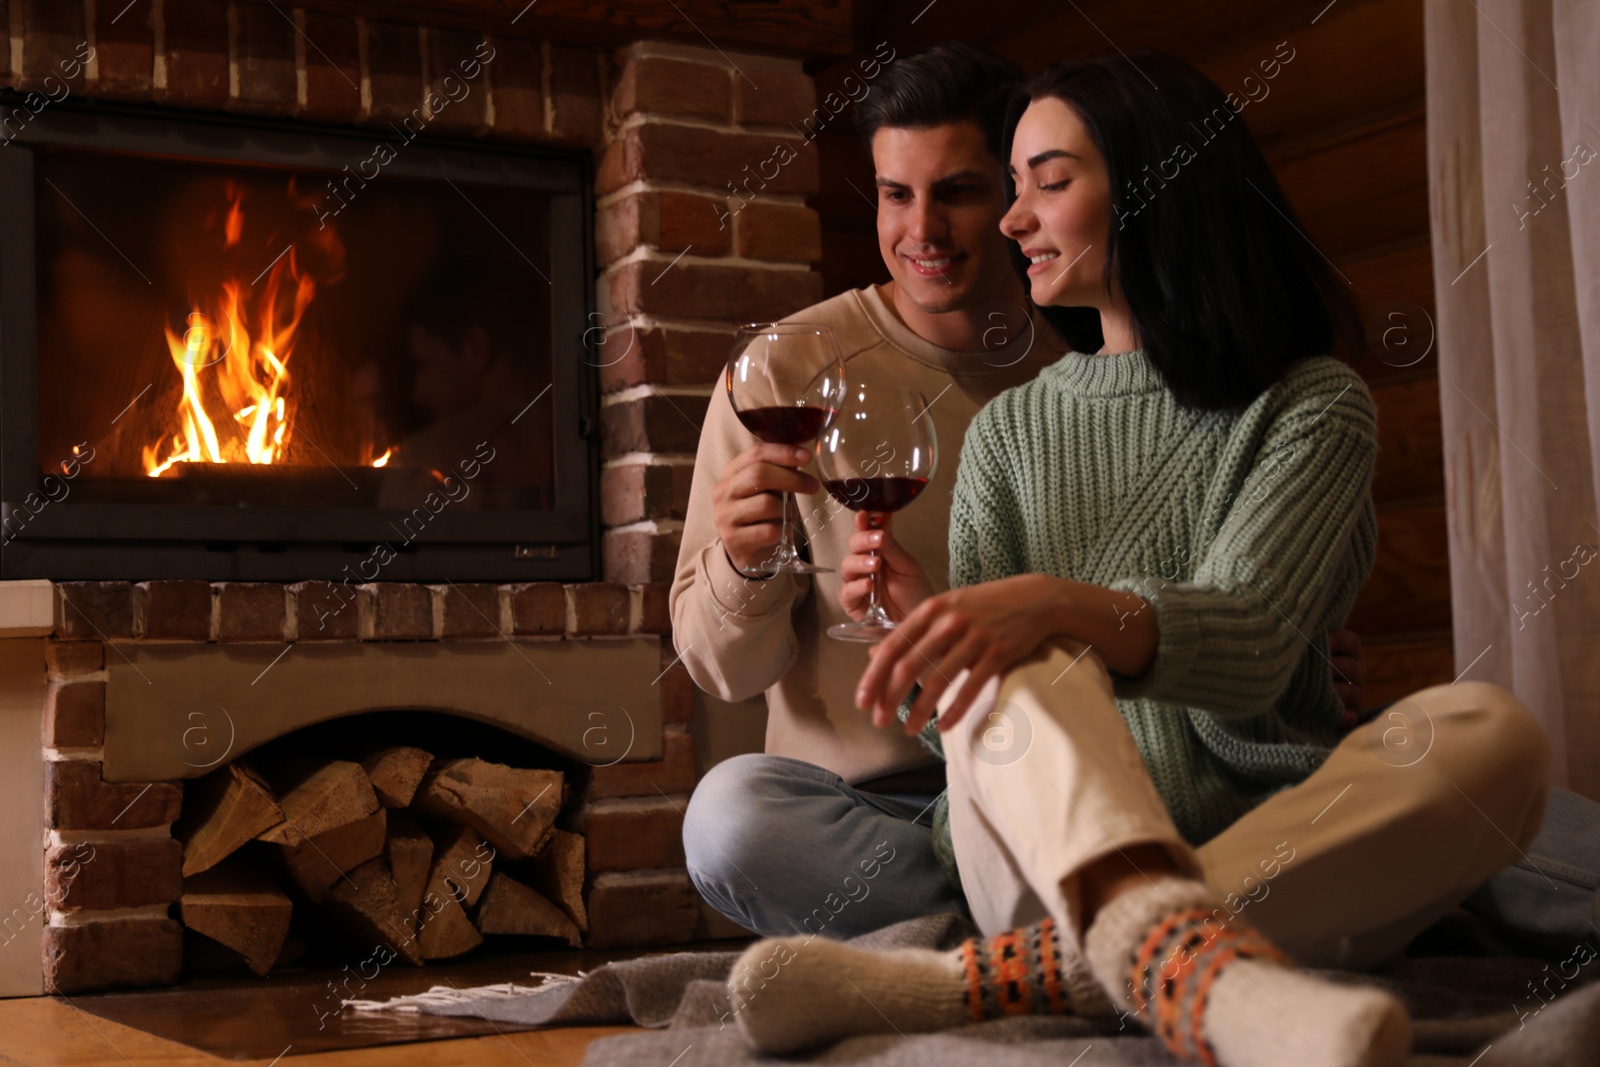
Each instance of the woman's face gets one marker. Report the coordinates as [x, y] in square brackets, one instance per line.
[1062, 215]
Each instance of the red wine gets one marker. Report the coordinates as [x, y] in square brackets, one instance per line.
[786, 425]
[875, 494]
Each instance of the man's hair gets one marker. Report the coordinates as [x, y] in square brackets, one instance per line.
[951, 82]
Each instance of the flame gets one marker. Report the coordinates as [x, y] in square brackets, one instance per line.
[241, 349]
[383, 460]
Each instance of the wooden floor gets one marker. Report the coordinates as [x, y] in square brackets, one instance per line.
[49, 1032]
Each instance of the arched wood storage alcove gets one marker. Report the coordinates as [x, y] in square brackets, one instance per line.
[176, 712]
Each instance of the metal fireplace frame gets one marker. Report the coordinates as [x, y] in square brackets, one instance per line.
[68, 540]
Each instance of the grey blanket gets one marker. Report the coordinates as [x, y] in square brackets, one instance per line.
[1482, 1012]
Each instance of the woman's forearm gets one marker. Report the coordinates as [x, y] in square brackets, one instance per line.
[1121, 627]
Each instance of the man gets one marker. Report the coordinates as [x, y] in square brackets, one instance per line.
[828, 830]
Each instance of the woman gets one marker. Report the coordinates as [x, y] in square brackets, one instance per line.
[1140, 542]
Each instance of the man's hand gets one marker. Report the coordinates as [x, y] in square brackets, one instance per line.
[748, 500]
[1349, 673]
[902, 583]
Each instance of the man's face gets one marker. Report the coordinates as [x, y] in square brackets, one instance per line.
[941, 195]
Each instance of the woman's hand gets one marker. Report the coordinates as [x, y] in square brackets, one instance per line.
[983, 629]
[902, 583]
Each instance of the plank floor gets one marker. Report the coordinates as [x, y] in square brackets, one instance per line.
[50, 1032]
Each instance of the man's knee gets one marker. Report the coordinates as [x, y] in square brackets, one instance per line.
[731, 824]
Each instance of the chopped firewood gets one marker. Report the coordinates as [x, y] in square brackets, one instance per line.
[318, 862]
[513, 808]
[320, 795]
[238, 905]
[509, 907]
[446, 930]
[221, 812]
[410, 852]
[461, 864]
[557, 873]
[365, 905]
[396, 772]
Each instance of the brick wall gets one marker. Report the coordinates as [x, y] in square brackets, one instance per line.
[702, 226]
[701, 178]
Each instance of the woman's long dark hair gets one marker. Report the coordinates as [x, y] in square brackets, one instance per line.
[1224, 289]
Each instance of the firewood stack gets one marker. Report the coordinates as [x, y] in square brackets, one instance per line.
[428, 856]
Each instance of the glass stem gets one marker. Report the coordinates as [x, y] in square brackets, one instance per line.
[874, 599]
[786, 549]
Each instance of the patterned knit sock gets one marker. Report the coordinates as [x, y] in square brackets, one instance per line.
[791, 994]
[1218, 992]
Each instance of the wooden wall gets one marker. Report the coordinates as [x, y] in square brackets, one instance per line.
[1342, 124]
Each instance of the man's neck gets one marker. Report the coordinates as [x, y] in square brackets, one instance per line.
[963, 330]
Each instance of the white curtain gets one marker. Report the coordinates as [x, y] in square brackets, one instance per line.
[1514, 180]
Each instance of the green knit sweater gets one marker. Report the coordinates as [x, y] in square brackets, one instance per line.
[1249, 534]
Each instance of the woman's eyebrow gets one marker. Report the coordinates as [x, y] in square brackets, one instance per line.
[1054, 153]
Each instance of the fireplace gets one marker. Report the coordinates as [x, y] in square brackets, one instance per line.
[240, 350]
[175, 594]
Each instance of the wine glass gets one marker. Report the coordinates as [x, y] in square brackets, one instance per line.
[877, 457]
[784, 382]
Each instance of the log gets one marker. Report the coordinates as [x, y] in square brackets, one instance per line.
[557, 874]
[461, 864]
[396, 772]
[410, 852]
[317, 796]
[318, 862]
[447, 931]
[509, 907]
[513, 808]
[238, 905]
[223, 810]
[365, 906]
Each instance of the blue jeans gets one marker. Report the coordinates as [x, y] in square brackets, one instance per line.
[1551, 898]
[781, 847]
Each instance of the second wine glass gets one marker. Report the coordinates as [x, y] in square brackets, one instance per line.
[877, 457]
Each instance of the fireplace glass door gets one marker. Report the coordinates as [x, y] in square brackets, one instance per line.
[296, 344]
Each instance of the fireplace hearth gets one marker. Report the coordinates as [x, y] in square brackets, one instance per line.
[240, 350]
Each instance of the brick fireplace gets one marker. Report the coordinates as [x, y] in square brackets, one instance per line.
[694, 232]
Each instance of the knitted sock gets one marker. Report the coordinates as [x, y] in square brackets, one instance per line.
[791, 994]
[1218, 992]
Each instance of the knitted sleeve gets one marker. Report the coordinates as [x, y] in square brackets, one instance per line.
[1297, 540]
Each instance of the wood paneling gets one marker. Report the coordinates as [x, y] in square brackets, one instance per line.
[1357, 61]
[817, 28]
[1409, 590]
[1365, 188]
[1398, 668]
[1410, 443]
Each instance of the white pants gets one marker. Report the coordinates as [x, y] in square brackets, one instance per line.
[1408, 816]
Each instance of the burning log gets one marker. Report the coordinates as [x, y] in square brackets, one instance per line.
[509, 907]
[396, 772]
[236, 904]
[514, 809]
[222, 812]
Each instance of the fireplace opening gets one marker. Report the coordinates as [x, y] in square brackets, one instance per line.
[353, 351]
[399, 838]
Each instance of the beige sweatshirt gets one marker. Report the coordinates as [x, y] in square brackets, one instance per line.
[741, 636]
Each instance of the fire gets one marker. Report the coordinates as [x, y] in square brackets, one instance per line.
[383, 460]
[233, 360]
